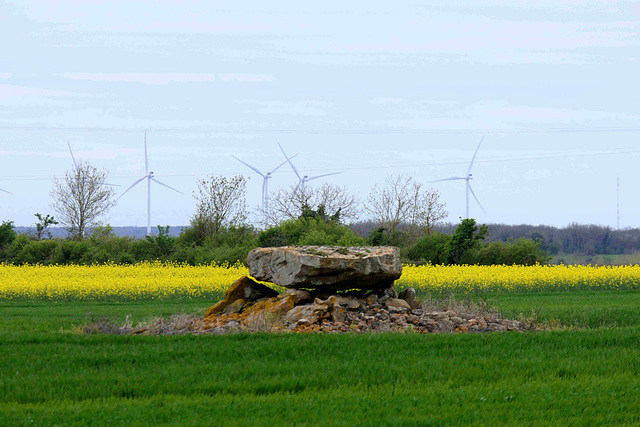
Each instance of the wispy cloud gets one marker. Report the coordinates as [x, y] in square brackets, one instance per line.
[145, 78]
[166, 78]
[5, 75]
[301, 108]
[246, 77]
[11, 91]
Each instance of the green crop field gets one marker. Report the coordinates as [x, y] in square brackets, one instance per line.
[53, 375]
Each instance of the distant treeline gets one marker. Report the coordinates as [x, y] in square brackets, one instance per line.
[131, 231]
[521, 244]
[464, 245]
[574, 239]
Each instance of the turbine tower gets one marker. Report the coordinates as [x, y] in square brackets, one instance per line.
[468, 177]
[265, 181]
[302, 180]
[149, 177]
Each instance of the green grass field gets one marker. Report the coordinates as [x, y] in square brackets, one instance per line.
[51, 375]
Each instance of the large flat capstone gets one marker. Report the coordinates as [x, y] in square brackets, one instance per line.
[326, 267]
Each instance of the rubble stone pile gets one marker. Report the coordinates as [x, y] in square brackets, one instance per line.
[332, 289]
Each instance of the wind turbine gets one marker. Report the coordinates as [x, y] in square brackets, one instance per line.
[5, 191]
[265, 181]
[468, 177]
[302, 181]
[149, 177]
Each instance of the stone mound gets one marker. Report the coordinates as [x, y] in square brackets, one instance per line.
[331, 289]
[299, 310]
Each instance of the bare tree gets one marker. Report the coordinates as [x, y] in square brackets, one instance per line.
[403, 205]
[290, 203]
[81, 198]
[221, 202]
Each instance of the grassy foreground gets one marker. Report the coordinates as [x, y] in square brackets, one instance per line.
[50, 376]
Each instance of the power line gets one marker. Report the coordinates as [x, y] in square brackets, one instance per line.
[254, 131]
[501, 159]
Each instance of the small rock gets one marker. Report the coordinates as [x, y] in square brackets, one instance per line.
[409, 295]
[396, 305]
[413, 319]
[235, 307]
[387, 294]
[456, 320]
[299, 295]
[353, 304]
[338, 312]
[311, 312]
[381, 326]
[303, 322]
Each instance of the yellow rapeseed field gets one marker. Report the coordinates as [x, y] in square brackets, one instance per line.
[111, 282]
[458, 279]
[156, 280]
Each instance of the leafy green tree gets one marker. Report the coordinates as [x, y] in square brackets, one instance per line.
[309, 231]
[383, 237]
[515, 251]
[467, 236]
[106, 246]
[433, 249]
[7, 234]
[44, 222]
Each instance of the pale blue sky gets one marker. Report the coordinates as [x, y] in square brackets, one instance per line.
[360, 87]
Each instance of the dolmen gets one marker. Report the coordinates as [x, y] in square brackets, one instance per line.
[328, 289]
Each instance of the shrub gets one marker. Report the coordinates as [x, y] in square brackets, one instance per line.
[309, 231]
[432, 249]
[7, 234]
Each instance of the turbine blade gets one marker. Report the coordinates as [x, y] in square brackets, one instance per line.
[248, 165]
[453, 178]
[146, 158]
[474, 156]
[320, 176]
[75, 164]
[475, 197]
[281, 164]
[6, 191]
[132, 185]
[290, 162]
[162, 183]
